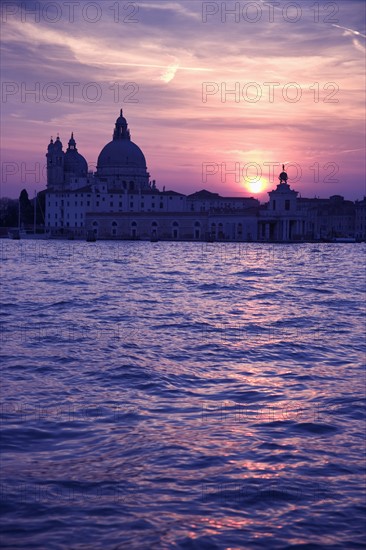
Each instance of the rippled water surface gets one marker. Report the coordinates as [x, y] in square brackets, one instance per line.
[182, 395]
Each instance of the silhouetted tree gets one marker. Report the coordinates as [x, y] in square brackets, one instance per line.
[8, 212]
[26, 208]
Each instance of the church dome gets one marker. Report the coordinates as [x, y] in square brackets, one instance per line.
[74, 162]
[58, 144]
[121, 152]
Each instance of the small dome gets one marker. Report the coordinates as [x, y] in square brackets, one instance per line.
[58, 143]
[75, 163]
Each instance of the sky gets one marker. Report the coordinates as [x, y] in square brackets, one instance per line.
[218, 95]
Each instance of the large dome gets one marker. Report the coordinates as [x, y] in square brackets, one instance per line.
[121, 153]
[121, 156]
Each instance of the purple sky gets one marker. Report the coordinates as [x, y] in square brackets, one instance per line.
[171, 63]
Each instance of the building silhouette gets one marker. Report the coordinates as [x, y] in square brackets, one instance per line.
[120, 201]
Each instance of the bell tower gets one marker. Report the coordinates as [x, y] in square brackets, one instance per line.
[55, 165]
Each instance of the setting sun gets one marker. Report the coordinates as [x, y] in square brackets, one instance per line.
[256, 185]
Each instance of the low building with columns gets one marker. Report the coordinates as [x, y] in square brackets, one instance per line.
[281, 221]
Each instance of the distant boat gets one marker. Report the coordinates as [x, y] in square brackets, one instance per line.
[21, 233]
[37, 236]
[344, 240]
[16, 234]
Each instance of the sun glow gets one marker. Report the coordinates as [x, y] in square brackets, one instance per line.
[256, 185]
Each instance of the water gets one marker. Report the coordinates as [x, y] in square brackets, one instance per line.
[182, 395]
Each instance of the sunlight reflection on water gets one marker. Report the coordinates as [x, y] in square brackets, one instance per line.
[182, 395]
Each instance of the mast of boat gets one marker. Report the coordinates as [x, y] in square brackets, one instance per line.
[35, 213]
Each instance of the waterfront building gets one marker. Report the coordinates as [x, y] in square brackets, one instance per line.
[281, 220]
[120, 201]
[360, 220]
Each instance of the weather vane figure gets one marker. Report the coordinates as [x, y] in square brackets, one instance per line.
[283, 177]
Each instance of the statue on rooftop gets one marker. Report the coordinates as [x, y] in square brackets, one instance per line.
[283, 177]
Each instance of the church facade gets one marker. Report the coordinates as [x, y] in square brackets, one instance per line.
[120, 201]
